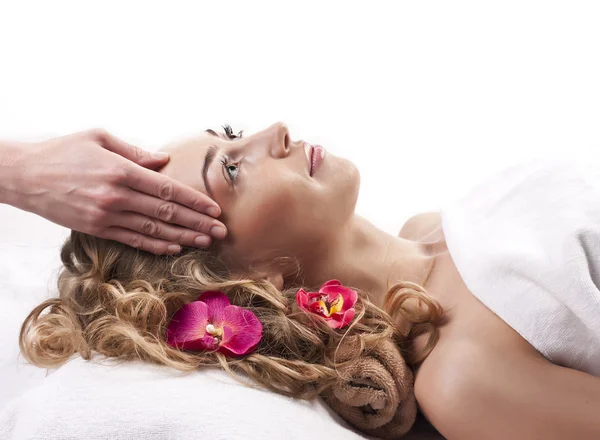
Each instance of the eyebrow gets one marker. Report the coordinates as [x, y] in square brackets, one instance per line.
[211, 152]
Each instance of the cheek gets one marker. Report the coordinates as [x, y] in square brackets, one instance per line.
[269, 218]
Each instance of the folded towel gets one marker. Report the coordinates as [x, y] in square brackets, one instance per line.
[374, 393]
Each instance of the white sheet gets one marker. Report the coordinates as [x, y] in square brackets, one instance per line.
[136, 400]
[27, 274]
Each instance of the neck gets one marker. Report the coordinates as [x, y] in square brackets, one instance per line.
[367, 258]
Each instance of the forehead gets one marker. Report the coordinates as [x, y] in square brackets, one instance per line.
[186, 159]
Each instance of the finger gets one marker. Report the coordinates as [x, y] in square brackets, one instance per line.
[170, 212]
[158, 229]
[128, 151]
[165, 188]
[140, 241]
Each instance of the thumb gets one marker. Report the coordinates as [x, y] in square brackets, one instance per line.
[132, 152]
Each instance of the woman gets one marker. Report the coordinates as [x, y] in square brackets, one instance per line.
[289, 212]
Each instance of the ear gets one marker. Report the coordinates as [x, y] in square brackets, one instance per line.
[276, 279]
[274, 276]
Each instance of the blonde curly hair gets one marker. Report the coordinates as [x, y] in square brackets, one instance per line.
[117, 301]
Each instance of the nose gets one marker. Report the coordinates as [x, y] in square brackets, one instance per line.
[279, 140]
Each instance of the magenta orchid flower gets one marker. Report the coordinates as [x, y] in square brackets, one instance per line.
[212, 323]
[333, 302]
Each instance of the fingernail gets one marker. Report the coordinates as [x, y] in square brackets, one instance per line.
[159, 155]
[201, 240]
[174, 249]
[218, 231]
[213, 211]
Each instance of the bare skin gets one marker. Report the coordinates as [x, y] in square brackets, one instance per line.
[314, 215]
[482, 380]
[96, 183]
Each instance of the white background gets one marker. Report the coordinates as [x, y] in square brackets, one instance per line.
[427, 98]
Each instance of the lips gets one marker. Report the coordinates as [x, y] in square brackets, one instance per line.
[315, 155]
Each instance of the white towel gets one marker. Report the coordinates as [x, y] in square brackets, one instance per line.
[139, 401]
[527, 244]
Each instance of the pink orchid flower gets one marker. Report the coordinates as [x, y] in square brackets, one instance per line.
[212, 323]
[333, 302]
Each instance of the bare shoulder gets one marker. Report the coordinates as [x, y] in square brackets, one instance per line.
[455, 381]
[471, 390]
[419, 225]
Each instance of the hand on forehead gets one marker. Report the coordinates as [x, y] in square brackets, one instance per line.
[187, 159]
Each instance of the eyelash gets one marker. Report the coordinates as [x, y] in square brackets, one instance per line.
[226, 161]
[229, 132]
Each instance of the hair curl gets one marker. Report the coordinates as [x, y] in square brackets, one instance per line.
[117, 301]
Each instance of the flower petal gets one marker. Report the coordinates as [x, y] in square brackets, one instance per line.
[319, 308]
[336, 305]
[208, 342]
[302, 298]
[242, 331]
[341, 320]
[350, 295]
[331, 283]
[188, 325]
[316, 296]
[216, 302]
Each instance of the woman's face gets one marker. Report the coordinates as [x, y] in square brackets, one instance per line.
[270, 203]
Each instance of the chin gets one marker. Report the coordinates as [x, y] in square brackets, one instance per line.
[349, 185]
[351, 170]
[356, 181]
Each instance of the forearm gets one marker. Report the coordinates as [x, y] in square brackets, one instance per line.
[548, 402]
[10, 154]
[508, 394]
[571, 411]
[562, 404]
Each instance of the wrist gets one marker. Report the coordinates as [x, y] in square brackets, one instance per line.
[11, 156]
